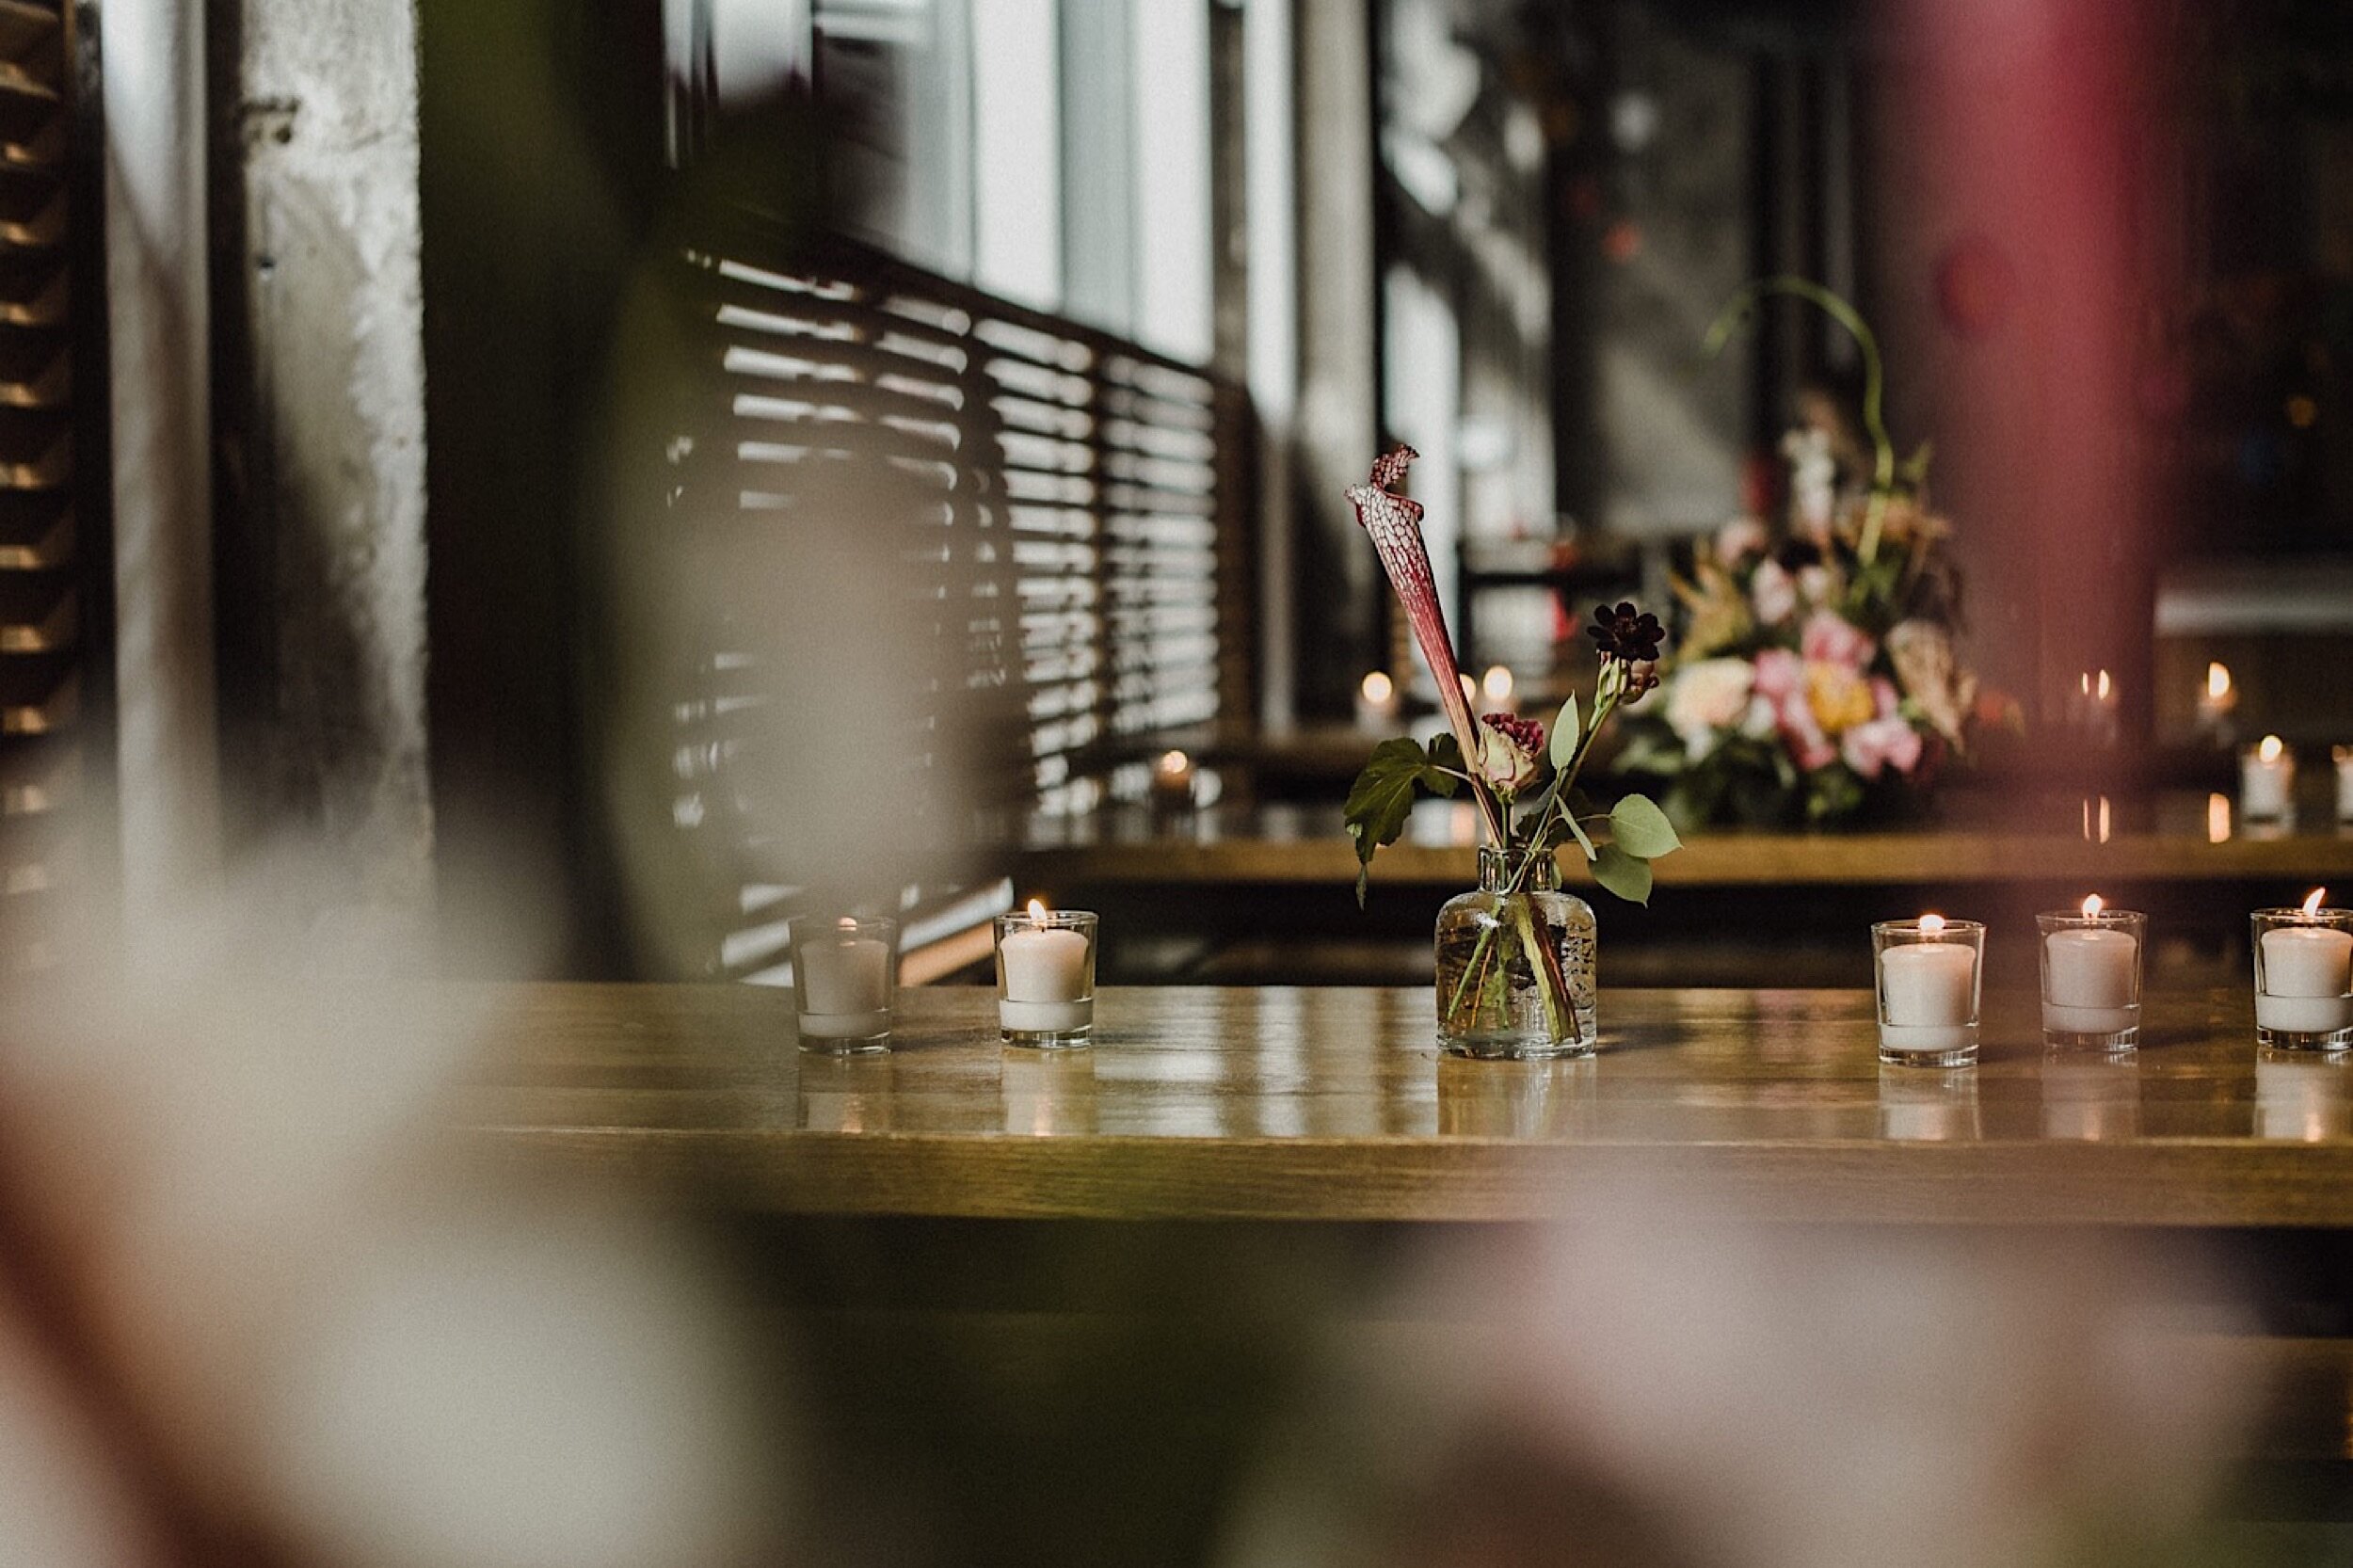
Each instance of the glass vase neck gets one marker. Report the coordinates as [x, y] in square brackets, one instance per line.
[1495, 866]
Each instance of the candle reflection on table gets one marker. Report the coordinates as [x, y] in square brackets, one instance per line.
[2090, 1100]
[1517, 1099]
[1926, 1104]
[844, 1094]
[2301, 1098]
[1047, 1094]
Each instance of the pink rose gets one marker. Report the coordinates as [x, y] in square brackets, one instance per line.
[1779, 674]
[1780, 682]
[1830, 638]
[1774, 593]
[1511, 752]
[1881, 743]
[1705, 697]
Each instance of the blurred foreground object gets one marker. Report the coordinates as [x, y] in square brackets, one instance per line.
[272, 1313]
[1649, 1381]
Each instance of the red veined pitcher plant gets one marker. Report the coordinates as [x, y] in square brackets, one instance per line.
[1515, 957]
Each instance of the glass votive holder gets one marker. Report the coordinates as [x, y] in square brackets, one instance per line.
[1045, 978]
[2091, 977]
[845, 980]
[2304, 978]
[1929, 973]
[2266, 782]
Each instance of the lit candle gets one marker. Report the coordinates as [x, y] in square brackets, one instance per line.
[2218, 697]
[1495, 687]
[1376, 700]
[2267, 780]
[2342, 756]
[1171, 779]
[2307, 975]
[2091, 975]
[1928, 993]
[845, 984]
[1045, 977]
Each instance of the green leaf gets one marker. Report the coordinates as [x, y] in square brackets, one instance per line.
[1565, 731]
[1582, 841]
[1626, 876]
[1383, 794]
[1641, 828]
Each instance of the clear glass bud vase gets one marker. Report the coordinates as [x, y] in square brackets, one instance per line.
[1515, 968]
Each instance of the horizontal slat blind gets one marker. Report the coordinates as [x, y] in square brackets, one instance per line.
[42, 613]
[1070, 516]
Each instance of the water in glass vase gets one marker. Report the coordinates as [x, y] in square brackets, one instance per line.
[1516, 966]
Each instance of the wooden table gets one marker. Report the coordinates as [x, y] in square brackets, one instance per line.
[1281, 1104]
[2168, 841]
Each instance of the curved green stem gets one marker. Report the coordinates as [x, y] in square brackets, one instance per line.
[1744, 303]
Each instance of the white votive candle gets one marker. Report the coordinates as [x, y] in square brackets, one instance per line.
[1927, 991]
[2308, 971]
[1045, 976]
[845, 988]
[2091, 980]
[2267, 780]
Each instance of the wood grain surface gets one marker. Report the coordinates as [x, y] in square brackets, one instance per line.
[1334, 1104]
[2060, 841]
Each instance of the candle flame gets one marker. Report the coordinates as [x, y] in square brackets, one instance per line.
[2311, 905]
[2270, 748]
[1037, 912]
[1497, 685]
[2218, 682]
[847, 922]
[2103, 686]
[1378, 687]
[2091, 907]
[2218, 819]
[1470, 693]
[1932, 925]
[1175, 762]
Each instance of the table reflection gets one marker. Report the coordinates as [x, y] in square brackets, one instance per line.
[1516, 1099]
[2302, 1097]
[844, 1094]
[2090, 1099]
[1048, 1093]
[1929, 1105]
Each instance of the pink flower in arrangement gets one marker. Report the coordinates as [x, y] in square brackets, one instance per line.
[1394, 523]
[1780, 681]
[1881, 743]
[1780, 674]
[1740, 538]
[1511, 752]
[1830, 638]
[1887, 741]
[1774, 593]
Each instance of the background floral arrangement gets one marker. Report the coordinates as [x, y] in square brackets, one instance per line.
[1816, 676]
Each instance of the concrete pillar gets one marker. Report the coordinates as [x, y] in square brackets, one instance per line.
[1336, 578]
[324, 563]
[158, 322]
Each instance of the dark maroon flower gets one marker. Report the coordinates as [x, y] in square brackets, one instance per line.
[1626, 634]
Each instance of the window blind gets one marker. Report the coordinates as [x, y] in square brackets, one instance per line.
[1078, 520]
[44, 563]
